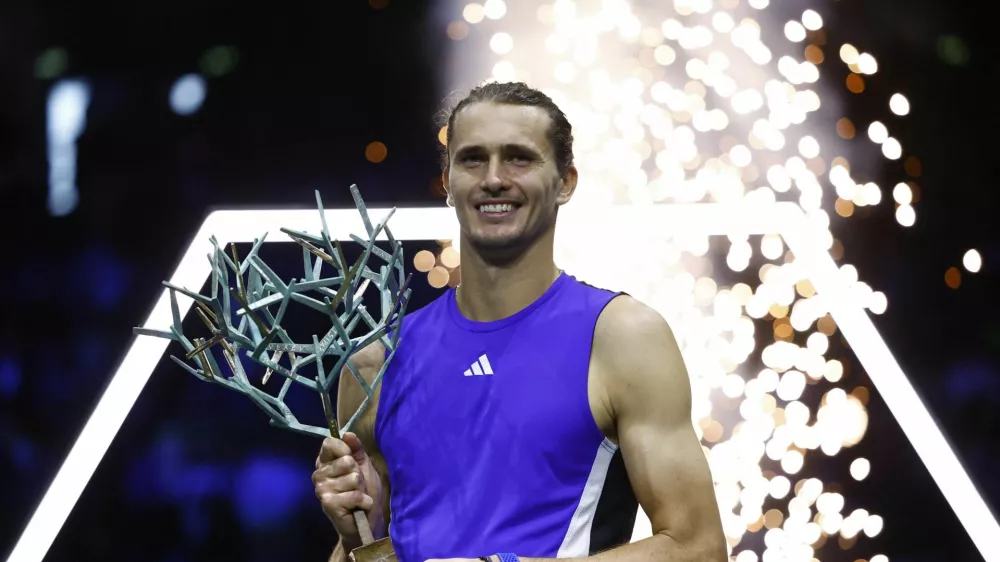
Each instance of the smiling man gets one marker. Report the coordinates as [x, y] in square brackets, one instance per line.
[526, 413]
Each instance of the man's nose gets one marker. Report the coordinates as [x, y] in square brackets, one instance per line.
[494, 175]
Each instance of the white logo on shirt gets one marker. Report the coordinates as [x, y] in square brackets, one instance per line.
[480, 367]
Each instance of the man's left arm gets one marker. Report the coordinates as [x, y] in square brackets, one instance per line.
[649, 395]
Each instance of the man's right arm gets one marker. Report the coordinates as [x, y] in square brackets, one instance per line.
[350, 396]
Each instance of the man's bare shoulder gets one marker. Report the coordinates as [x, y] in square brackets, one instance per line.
[633, 344]
[627, 325]
[626, 317]
[371, 357]
[366, 362]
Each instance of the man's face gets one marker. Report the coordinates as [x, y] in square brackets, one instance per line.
[503, 178]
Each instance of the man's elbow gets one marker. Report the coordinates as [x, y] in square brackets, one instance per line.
[712, 548]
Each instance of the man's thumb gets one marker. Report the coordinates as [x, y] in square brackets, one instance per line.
[357, 449]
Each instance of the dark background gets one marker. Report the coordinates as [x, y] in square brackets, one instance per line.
[195, 474]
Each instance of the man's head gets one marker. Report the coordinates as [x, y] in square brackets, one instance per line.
[508, 166]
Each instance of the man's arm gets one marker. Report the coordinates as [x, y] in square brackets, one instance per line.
[649, 392]
[638, 361]
[350, 396]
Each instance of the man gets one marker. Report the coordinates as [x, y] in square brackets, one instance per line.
[525, 413]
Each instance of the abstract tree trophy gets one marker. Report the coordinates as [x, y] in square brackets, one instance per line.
[254, 329]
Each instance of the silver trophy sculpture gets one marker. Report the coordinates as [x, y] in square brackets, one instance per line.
[254, 330]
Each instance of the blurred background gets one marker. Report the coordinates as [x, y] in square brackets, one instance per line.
[122, 125]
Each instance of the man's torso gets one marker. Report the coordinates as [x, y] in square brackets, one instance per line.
[495, 434]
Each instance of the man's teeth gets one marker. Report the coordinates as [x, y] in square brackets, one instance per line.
[504, 208]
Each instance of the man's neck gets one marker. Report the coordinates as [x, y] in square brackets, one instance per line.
[489, 292]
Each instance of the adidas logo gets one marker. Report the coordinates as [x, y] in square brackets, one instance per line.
[480, 367]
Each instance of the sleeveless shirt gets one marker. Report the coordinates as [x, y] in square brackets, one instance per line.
[488, 435]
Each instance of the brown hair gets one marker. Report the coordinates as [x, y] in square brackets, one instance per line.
[560, 133]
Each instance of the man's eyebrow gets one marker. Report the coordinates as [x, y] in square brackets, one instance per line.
[522, 148]
[468, 149]
[509, 147]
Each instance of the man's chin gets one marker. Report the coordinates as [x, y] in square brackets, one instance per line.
[498, 247]
[495, 241]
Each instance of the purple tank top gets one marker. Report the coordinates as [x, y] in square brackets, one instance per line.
[488, 435]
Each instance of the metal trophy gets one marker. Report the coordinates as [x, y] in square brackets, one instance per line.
[254, 329]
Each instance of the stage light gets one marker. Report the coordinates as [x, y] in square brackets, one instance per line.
[66, 118]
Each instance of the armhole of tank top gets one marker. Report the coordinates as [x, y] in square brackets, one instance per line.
[590, 357]
[384, 395]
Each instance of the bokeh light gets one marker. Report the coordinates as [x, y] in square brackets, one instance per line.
[877, 132]
[376, 152]
[972, 261]
[473, 13]
[855, 83]
[438, 277]
[860, 469]
[423, 261]
[710, 102]
[501, 43]
[899, 104]
[845, 128]
[906, 215]
[953, 277]
[187, 94]
[457, 30]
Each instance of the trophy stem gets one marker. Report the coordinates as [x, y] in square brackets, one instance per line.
[364, 530]
[371, 550]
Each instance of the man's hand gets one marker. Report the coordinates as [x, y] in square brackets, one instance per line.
[345, 480]
[491, 559]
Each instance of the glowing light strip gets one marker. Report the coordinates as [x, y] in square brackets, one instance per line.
[786, 219]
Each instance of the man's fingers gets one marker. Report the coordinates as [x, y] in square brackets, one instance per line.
[335, 468]
[355, 445]
[346, 483]
[333, 448]
[342, 503]
[360, 499]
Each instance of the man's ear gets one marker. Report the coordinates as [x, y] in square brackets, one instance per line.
[447, 188]
[567, 186]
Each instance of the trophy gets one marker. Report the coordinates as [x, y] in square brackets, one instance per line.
[243, 315]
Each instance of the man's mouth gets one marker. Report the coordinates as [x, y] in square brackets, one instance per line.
[497, 209]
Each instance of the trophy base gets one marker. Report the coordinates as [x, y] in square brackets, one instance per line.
[378, 551]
